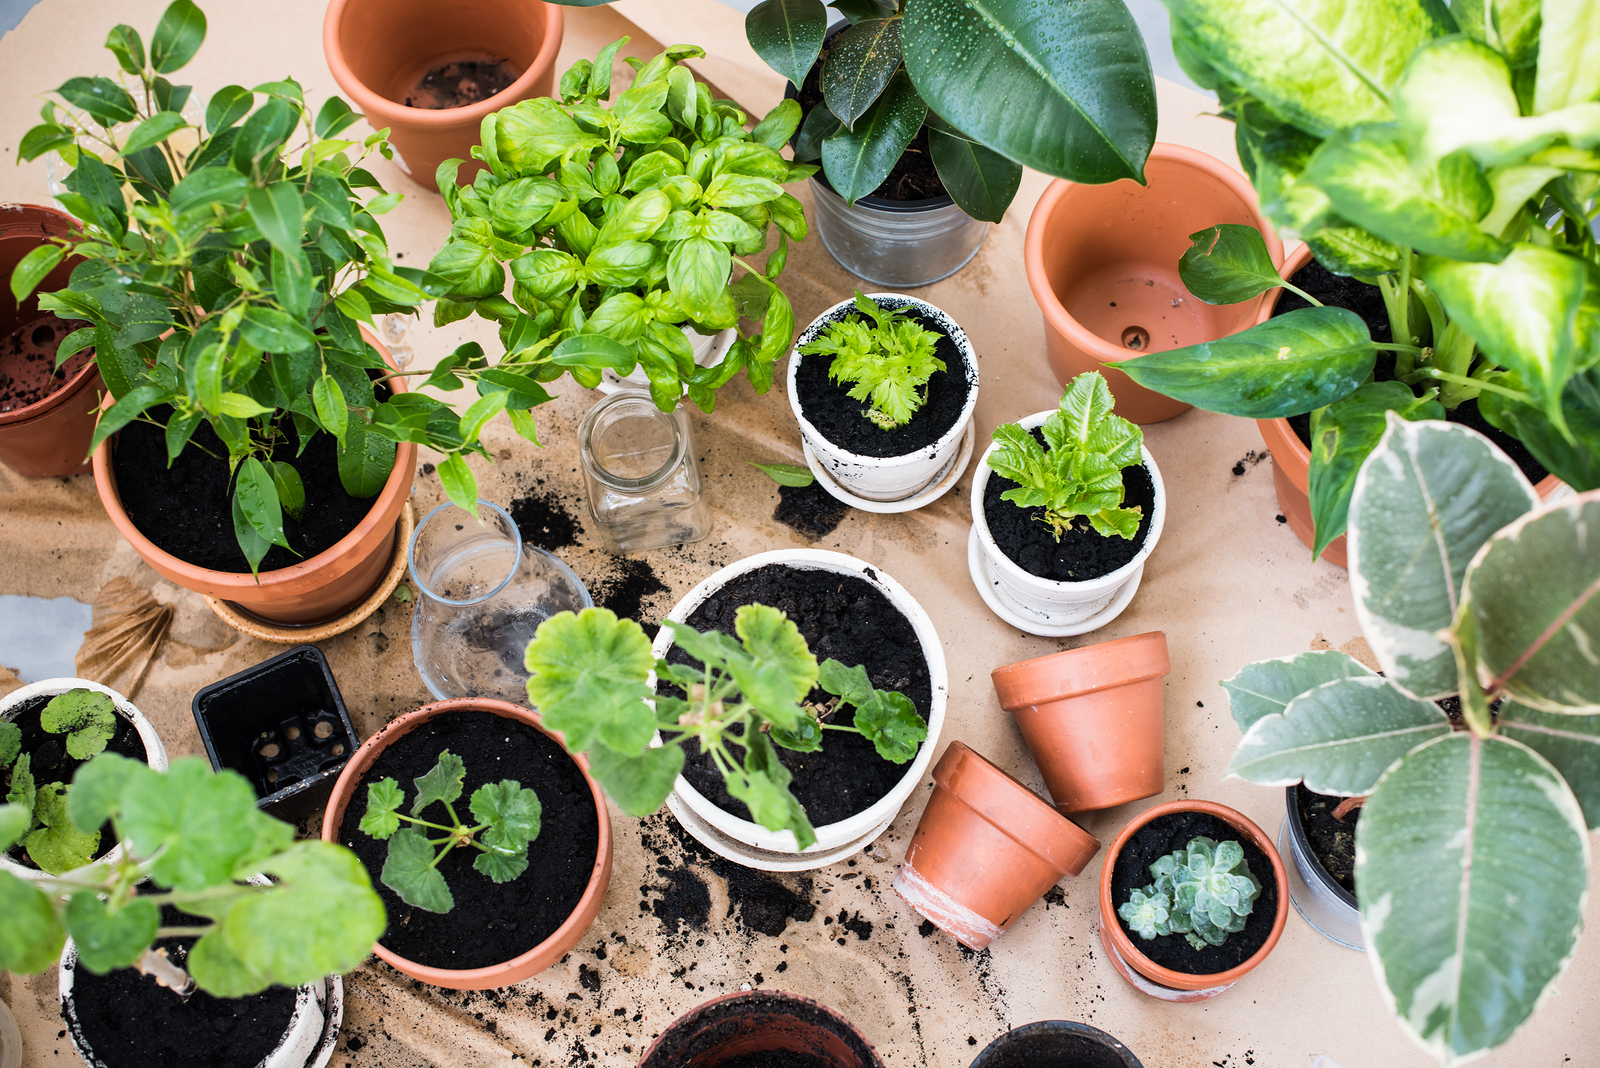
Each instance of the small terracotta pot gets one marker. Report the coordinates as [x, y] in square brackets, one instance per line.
[1162, 982]
[1103, 265]
[379, 49]
[312, 591]
[986, 849]
[50, 437]
[1092, 718]
[760, 1021]
[566, 936]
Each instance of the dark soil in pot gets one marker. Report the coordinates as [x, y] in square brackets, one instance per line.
[50, 762]
[129, 1021]
[187, 509]
[28, 361]
[1082, 553]
[1333, 841]
[461, 82]
[843, 617]
[810, 1036]
[838, 418]
[1367, 301]
[492, 922]
[1167, 834]
[1052, 1049]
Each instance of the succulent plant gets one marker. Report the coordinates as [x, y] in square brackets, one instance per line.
[1203, 891]
[1147, 912]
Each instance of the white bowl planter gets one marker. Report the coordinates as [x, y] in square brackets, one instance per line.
[155, 752]
[708, 351]
[752, 844]
[1054, 606]
[887, 478]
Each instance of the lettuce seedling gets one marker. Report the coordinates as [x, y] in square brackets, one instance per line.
[88, 718]
[889, 363]
[1081, 474]
[1203, 891]
[748, 693]
[508, 819]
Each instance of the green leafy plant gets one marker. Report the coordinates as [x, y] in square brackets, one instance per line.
[621, 225]
[588, 675]
[1081, 472]
[1461, 588]
[88, 718]
[1448, 157]
[191, 836]
[998, 86]
[786, 474]
[508, 815]
[1203, 891]
[889, 363]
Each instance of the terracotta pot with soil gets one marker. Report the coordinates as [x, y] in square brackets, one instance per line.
[182, 524]
[864, 460]
[761, 1029]
[1092, 718]
[47, 416]
[856, 614]
[1320, 832]
[431, 74]
[1167, 966]
[985, 849]
[497, 933]
[1103, 265]
[1056, 1044]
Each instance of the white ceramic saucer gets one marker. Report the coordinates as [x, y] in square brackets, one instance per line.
[984, 581]
[765, 859]
[940, 486]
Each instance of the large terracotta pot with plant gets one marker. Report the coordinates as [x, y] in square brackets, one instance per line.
[49, 436]
[1103, 265]
[379, 50]
[1092, 718]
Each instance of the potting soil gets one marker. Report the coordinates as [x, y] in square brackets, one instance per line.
[1082, 553]
[802, 1027]
[1333, 841]
[461, 82]
[28, 363]
[491, 922]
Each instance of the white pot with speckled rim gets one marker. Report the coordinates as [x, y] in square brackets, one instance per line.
[886, 478]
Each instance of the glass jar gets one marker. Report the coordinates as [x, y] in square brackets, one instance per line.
[482, 595]
[644, 484]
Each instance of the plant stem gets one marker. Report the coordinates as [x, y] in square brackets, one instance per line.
[1302, 294]
[1475, 383]
[183, 932]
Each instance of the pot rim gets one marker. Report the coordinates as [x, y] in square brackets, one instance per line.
[1301, 843]
[13, 222]
[1111, 923]
[688, 1017]
[1026, 1031]
[844, 830]
[582, 915]
[1059, 666]
[431, 118]
[1015, 571]
[969, 360]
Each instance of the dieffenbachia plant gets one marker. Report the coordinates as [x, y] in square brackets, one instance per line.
[1080, 474]
[87, 719]
[1204, 891]
[191, 836]
[1450, 157]
[1463, 588]
[508, 816]
[588, 675]
[888, 363]
[1064, 89]
[621, 224]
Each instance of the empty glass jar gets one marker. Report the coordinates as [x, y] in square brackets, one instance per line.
[644, 484]
[482, 595]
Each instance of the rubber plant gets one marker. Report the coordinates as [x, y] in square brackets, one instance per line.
[1448, 157]
[621, 224]
[191, 837]
[1064, 89]
[1472, 852]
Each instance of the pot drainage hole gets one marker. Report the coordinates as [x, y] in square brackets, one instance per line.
[299, 748]
[1136, 338]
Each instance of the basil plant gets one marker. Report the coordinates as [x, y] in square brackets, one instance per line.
[1472, 852]
[1064, 89]
[1448, 156]
[620, 225]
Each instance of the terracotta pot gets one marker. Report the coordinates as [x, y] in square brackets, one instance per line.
[760, 1021]
[1103, 264]
[379, 49]
[1092, 718]
[1056, 1044]
[566, 936]
[50, 437]
[1162, 982]
[986, 849]
[312, 591]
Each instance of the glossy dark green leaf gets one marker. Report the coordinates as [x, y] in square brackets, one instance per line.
[1577, 465]
[459, 481]
[152, 131]
[981, 181]
[228, 105]
[262, 135]
[32, 269]
[46, 137]
[1228, 263]
[178, 36]
[860, 63]
[105, 101]
[334, 115]
[365, 461]
[278, 213]
[819, 125]
[291, 490]
[856, 11]
[126, 44]
[857, 160]
[273, 331]
[787, 35]
[102, 187]
[127, 408]
[209, 185]
[593, 350]
[257, 495]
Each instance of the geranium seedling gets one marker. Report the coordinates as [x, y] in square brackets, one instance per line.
[88, 718]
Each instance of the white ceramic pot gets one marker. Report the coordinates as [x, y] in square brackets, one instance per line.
[155, 752]
[708, 351]
[754, 845]
[1046, 601]
[308, 1041]
[886, 478]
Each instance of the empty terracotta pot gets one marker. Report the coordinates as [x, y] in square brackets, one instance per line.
[1092, 718]
[756, 1022]
[986, 848]
[51, 436]
[379, 50]
[1103, 265]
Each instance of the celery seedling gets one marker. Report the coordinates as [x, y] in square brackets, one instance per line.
[889, 363]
